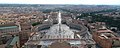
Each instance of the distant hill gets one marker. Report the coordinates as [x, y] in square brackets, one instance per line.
[38, 5]
[18, 5]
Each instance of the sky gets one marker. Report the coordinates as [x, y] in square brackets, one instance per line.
[86, 2]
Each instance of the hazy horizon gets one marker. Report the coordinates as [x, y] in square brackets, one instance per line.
[75, 2]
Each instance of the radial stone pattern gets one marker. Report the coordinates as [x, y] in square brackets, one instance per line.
[75, 35]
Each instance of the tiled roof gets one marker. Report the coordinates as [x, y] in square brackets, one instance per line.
[116, 42]
[104, 31]
[8, 27]
[12, 41]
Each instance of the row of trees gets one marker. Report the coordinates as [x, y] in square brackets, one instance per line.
[100, 18]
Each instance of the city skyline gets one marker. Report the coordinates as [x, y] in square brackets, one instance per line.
[84, 2]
